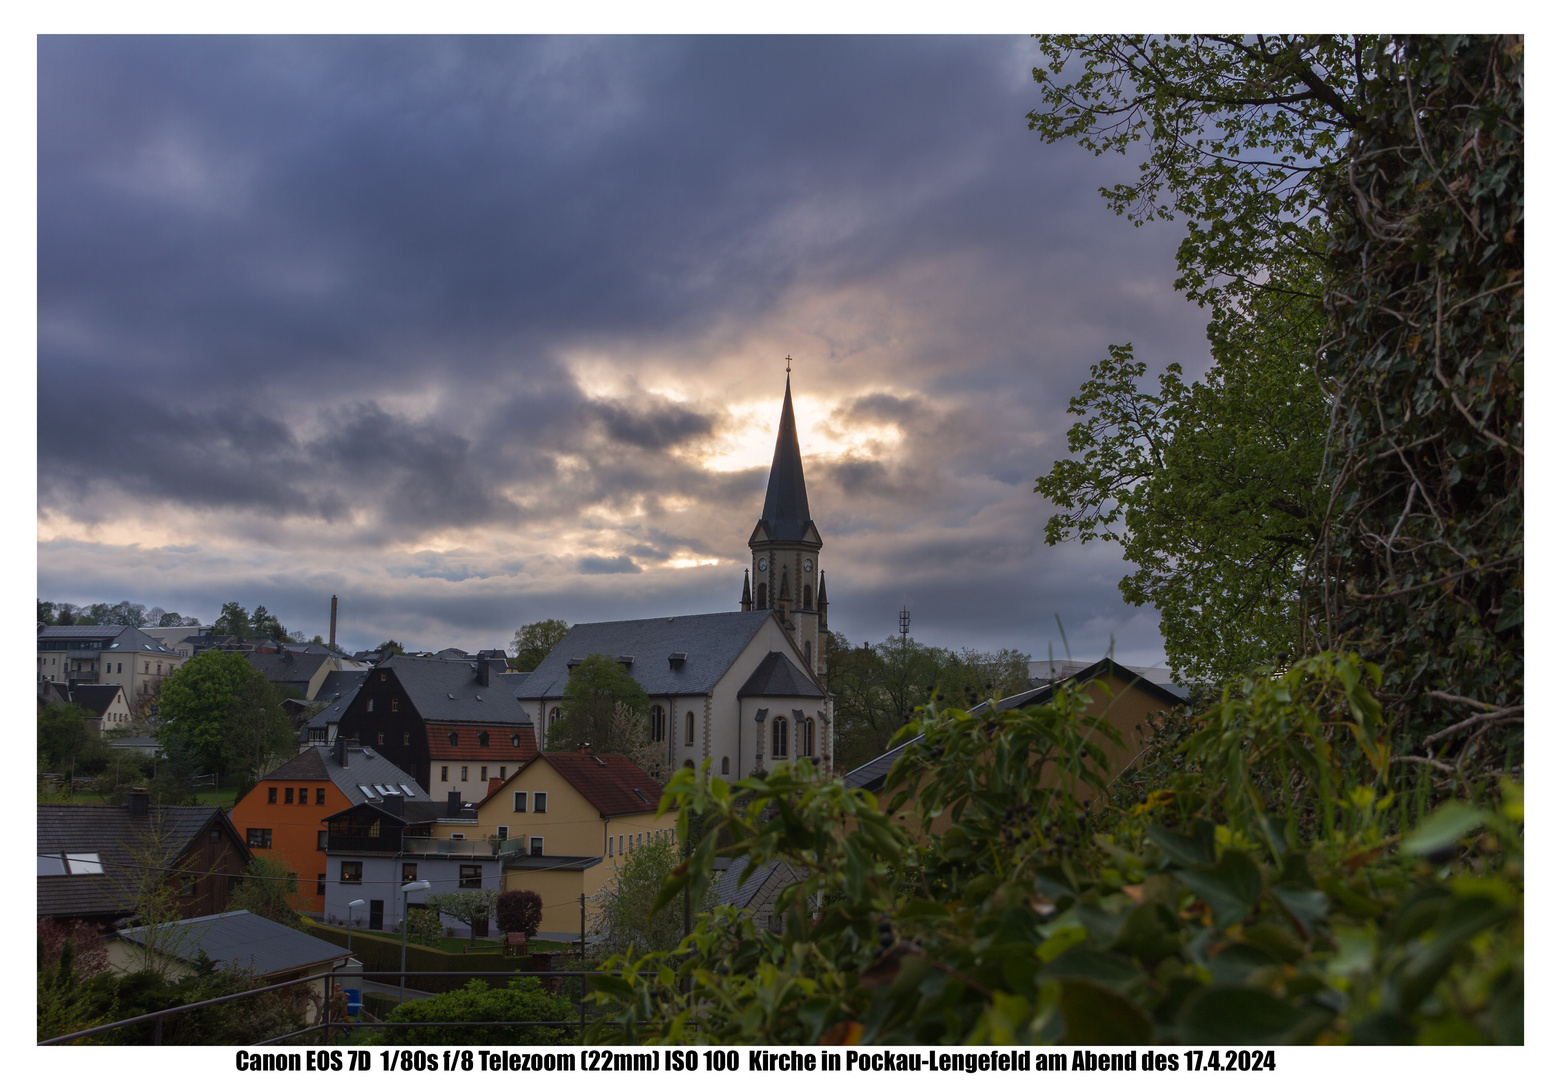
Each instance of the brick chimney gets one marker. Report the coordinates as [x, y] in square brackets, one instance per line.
[139, 802]
[482, 671]
[453, 804]
[333, 620]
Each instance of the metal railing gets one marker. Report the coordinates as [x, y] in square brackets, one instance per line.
[343, 844]
[327, 1027]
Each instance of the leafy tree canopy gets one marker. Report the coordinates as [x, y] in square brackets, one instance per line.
[221, 710]
[523, 999]
[534, 641]
[597, 687]
[392, 646]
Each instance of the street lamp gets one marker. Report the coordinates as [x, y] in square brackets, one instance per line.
[350, 905]
[409, 887]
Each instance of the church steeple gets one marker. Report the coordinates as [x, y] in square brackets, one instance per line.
[786, 514]
[786, 543]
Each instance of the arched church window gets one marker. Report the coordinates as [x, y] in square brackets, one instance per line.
[726, 766]
[658, 723]
[688, 730]
[807, 598]
[807, 737]
[779, 738]
[764, 596]
[807, 652]
[688, 763]
[552, 716]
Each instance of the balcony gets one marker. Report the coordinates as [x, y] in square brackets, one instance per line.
[337, 843]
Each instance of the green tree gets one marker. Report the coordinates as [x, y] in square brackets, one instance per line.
[626, 919]
[597, 687]
[266, 625]
[233, 621]
[224, 713]
[518, 911]
[46, 612]
[266, 889]
[392, 646]
[523, 999]
[534, 641]
[62, 734]
[469, 906]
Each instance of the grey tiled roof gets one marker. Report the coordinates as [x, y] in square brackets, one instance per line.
[870, 776]
[449, 690]
[339, 682]
[740, 896]
[777, 676]
[286, 668]
[119, 638]
[516, 681]
[346, 689]
[364, 766]
[119, 840]
[244, 941]
[712, 643]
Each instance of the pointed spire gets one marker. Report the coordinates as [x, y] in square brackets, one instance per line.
[786, 502]
[823, 594]
[746, 603]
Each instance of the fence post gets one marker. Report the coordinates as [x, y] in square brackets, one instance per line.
[330, 987]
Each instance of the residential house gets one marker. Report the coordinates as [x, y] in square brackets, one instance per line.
[240, 941]
[375, 847]
[103, 705]
[283, 815]
[408, 707]
[567, 820]
[297, 675]
[178, 638]
[106, 655]
[93, 861]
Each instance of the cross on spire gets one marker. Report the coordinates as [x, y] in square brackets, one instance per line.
[788, 363]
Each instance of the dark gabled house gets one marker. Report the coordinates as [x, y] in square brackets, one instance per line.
[90, 858]
[296, 675]
[393, 707]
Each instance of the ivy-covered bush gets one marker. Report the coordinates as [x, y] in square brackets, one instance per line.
[1289, 883]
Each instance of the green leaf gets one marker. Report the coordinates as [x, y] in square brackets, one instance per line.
[1194, 850]
[1237, 1016]
[1442, 829]
[1230, 888]
[1088, 962]
[1308, 906]
[1094, 1015]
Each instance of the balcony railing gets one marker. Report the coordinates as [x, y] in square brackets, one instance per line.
[423, 845]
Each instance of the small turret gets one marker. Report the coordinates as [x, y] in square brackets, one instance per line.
[747, 600]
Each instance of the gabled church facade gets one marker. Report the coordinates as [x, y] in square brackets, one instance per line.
[743, 689]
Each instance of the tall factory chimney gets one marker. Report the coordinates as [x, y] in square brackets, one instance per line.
[333, 620]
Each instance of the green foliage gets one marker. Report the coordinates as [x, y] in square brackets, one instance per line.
[519, 911]
[877, 688]
[265, 889]
[534, 641]
[63, 737]
[1425, 468]
[523, 999]
[597, 688]
[424, 927]
[237, 1023]
[1263, 896]
[233, 620]
[224, 713]
[626, 919]
[392, 646]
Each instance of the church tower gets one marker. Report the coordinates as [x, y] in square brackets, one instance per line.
[785, 546]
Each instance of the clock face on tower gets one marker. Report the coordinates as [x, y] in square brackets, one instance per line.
[764, 564]
[807, 564]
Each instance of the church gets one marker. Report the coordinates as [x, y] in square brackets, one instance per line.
[744, 689]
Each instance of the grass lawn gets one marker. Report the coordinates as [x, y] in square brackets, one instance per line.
[224, 797]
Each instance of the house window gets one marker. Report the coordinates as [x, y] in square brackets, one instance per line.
[257, 838]
[271, 795]
[482, 738]
[408, 872]
[463, 772]
[381, 676]
[688, 730]
[514, 739]
[382, 738]
[319, 796]
[763, 599]
[444, 773]
[502, 770]
[370, 706]
[807, 652]
[453, 738]
[482, 772]
[319, 842]
[471, 877]
[503, 832]
[119, 668]
[319, 885]
[778, 735]
[726, 766]
[457, 836]
[287, 796]
[215, 836]
[658, 723]
[539, 802]
[395, 703]
[352, 871]
[187, 887]
[146, 667]
[406, 738]
[520, 802]
[536, 845]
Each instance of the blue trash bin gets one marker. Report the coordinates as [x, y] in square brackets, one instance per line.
[354, 1002]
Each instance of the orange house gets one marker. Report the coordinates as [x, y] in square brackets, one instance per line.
[281, 817]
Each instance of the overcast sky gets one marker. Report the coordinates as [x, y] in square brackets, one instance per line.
[479, 332]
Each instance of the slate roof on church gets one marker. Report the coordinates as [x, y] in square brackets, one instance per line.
[786, 514]
[777, 676]
[711, 644]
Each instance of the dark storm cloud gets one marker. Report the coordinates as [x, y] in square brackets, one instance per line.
[332, 296]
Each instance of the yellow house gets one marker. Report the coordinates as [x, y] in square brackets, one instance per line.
[579, 814]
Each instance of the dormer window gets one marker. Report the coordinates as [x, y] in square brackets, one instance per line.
[482, 738]
[453, 738]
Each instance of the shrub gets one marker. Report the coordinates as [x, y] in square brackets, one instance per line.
[424, 926]
[519, 912]
[522, 999]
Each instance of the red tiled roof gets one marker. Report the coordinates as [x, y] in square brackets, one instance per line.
[611, 783]
[494, 783]
[468, 746]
